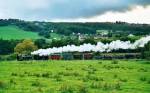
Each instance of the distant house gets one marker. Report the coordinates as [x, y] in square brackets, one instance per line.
[82, 37]
[130, 35]
[103, 33]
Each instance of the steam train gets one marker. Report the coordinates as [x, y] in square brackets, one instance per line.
[80, 56]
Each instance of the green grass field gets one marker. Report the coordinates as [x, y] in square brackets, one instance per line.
[13, 32]
[92, 76]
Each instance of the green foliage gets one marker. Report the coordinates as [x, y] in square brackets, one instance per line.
[96, 85]
[66, 89]
[36, 83]
[64, 42]
[146, 51]
[8, 57]
[2, 84]
[44, 28]
[143, 78]
[7, 46]
[26, 47]
[89, 40]
[41, 43]
[83, 89]
[114, 62]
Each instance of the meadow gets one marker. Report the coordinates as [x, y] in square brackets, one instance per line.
[13, 32]
[77, 76]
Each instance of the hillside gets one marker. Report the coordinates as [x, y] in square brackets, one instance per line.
[13, 32]
[45, 28]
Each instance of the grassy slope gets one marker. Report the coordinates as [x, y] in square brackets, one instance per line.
[12, 32]
[29, 77]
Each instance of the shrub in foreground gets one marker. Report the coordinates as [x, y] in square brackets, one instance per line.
[143, 78]
[114, 62]
[36, 83]
[82, 89]
[66, 89]
[2, 84]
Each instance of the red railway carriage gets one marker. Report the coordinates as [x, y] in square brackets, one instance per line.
[55, 57]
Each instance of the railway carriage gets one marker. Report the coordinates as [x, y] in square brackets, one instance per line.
[80, 56]
[67, 56]
[55, 56]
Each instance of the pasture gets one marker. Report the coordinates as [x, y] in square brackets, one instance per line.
[79, 76]
[13, 32]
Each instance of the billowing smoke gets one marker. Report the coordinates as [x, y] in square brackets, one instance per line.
[100, 47]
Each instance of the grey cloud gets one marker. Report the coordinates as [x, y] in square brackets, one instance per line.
[64, 9]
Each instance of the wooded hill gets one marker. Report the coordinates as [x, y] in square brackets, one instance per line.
[45, 28]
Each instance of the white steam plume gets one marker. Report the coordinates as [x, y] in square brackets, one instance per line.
[100, 47]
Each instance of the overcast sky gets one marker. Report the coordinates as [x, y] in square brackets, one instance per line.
[133, 11]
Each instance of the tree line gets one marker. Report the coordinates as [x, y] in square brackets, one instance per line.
[13, 47]
[7, 46]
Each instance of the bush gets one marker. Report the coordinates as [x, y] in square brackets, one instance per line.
[106, 86]
[22, 75]
[8, 57]
[115, 76]
[123, 80]
[148, 81]
[147, 62]
[36, 74]
[83, 89]
[40, 90]
[143, 78]
[46, 75]
[14, 74]
[69, 68]
[91, 77]
[143, 70]
[114, 62]
[2, 84]
[12, 81]
[117, 86]
[84, 79]
[66, 89]
[67, 73]
[11, 57]
[58, 78]
[108, 67]
[96, 85]
[100, 62]
[1, 59]
[76, 74]
[91, 72]
[36, 83]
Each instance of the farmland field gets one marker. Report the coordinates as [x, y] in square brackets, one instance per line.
[13, 32]
[91, 76]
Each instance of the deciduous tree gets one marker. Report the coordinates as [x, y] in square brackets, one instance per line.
[25, 47]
